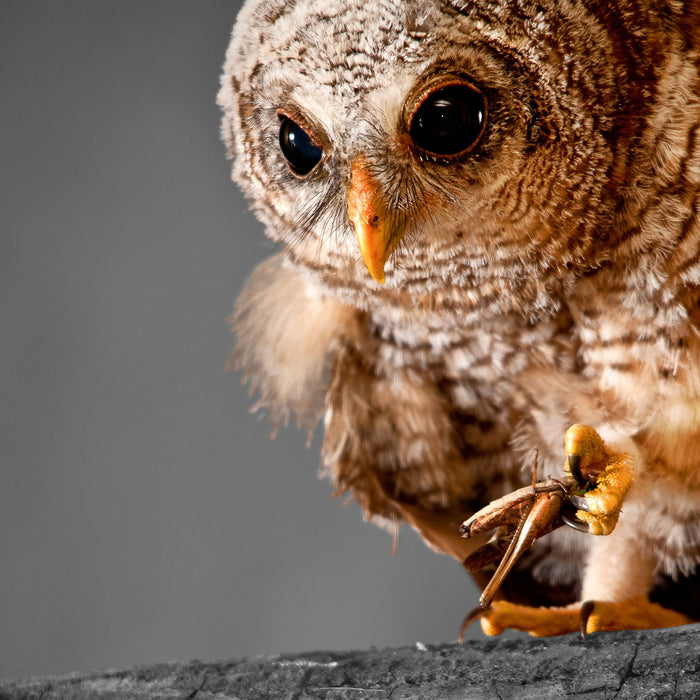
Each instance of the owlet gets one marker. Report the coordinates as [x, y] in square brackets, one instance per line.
[488, 214]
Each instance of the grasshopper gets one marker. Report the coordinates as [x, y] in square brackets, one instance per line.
[520, 518]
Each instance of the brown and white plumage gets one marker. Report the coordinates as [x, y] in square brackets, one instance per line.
[547, 275]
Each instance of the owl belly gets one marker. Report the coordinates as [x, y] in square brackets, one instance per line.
[666, 522]
[428, 412]
[400, 429]
[672, 445]
[664, 506]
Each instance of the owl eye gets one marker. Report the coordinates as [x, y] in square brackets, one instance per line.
[449, 120]
[302, 154]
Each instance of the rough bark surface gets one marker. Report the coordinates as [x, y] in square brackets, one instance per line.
[633, 664]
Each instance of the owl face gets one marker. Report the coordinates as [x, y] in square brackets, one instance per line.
[457, 157]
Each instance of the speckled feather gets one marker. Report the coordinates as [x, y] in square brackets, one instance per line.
[549, 276]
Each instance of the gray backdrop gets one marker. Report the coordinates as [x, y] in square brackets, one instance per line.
[144, 513]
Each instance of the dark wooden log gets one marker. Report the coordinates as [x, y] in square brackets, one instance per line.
[632, 664]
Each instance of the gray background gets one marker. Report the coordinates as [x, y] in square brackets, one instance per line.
[144, 513]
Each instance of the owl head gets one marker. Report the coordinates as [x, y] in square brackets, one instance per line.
[435, 152]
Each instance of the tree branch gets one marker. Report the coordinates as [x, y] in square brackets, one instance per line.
[631, 664]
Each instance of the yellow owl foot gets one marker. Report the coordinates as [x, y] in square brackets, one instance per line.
[586, 618]
[590, 461]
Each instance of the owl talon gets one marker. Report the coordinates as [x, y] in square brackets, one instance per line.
[586, 611]
[575, 524]
[574, 462]
[585, 618]
[470, 617]
[538, 622]
[633, 613]
[590, 461]
[580, 502]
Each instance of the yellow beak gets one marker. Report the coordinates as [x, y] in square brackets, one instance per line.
[369, 217]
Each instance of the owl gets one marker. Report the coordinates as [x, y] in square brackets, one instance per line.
[488, 218]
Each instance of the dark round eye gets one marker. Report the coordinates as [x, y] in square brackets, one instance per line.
[449, 120]
[302, 154]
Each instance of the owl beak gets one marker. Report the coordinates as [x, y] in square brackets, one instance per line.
[375, 234]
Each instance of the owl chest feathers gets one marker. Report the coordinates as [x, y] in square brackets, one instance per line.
[425, 415]
[428, 411]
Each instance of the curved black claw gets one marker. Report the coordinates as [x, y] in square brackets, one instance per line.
[574, 523]
[568, 516]
[586, 611]
[580, 502]
[472, 615]
[575, 468]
